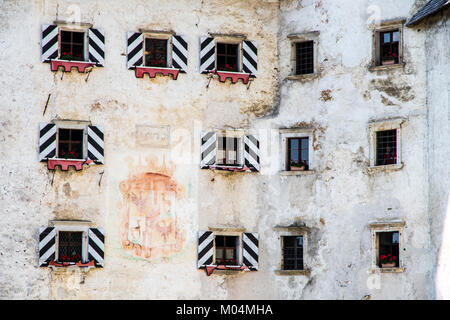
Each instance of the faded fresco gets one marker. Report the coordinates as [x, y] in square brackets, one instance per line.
[149, 226]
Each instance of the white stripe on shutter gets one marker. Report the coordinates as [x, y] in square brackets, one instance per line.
[47, 245]
[135, 45]
[250, 245]
[96, 46]
[251, 152]
[250, 57]
[179, 53]
[47, 141]
[95, 144]
[207, 54]
[208, 149]
[96, 246]
[205, 248]
[49, 42]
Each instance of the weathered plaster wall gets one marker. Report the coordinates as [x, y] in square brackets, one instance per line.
[337, 202]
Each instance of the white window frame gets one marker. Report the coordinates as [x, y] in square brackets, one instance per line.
[231, 134]
[72, 124]
[159, 35]
[72, 226]
[285, 134]
[388, 226]
[229, 39]
[229, 232]
[79, 27]
[374, 127]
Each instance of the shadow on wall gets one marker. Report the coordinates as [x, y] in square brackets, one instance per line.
[149, 227]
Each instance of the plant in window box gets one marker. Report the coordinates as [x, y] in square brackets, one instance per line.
[298, 166]
[70, 155]
[229, 68]
[388, 261]
[70, 57]
[231, 262]
[389, 58]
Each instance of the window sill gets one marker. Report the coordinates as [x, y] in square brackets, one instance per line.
[297, 173]
[69, 64]
[234, 76]
[385, 168]
[306, 272]
[225, 269]
[386, 67]
[303, 77]
[229, 168]
[69, 266]
[388, 270]
[152, 71]
[64, 164]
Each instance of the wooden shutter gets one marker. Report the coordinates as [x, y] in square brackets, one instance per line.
[208, 149]
[49, 42]
[96, 246]
[135, 45]
[251, 152]
[205, 248]
[179, 53]
[207, 54]
[250, 250]
[250, 57]
[47, 245]
[96, 46]
[47, 141]
[95, 145]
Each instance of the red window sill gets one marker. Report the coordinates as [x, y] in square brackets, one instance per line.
[152, 71]
[234, 76]
[68, 65]
[66, 163]
[211, 268]
[68, 264]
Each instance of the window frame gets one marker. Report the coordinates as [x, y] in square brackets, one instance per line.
[387, 226]
[240, 147]
[297, 229]
[158, 36]
[229, 39]
[301, 38]
[238, 55]
[286, 134]
[283, 248]
[232, 232]
[72, 226]
[73, 125]
[70, 28]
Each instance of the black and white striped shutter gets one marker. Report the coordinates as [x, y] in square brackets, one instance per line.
[96, 246]
[95, 145]
[251, 152]
[47, 141]
[205, 248]
[49, 42]
[250, 57]
[250, 250]
[96, 46]
[135, 45]
[208, 149]
[179, 53]
[207, 54]
[47, 245]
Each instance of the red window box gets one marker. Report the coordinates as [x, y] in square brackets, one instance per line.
[66, 163]
[69, 64]
[67, 264]
[210, 269]
[152, 71]
[234, 76]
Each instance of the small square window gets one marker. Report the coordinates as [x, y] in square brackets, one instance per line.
[389, 47]
[228, 57]
[155, 54]
[388, 254]
[386, 147]
[292, 252]
[70, 246]
[226, 250]
[72, 45]
[304, 57]
[228, 151]
[298, 154]
[70, 143]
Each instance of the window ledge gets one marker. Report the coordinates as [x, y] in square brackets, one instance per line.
[234, 76]
[388, 270]
[306, 272]
[64, 164]
[69, 266]
[152, 71]
[229, 168]
[297, 173]
[386, 67]
[303, 77]
[69, 64]
[385, 168]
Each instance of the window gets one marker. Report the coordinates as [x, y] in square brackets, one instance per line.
[388, 249]
[296, 151]
[386, 147]
[226, 250]
[72, 45]
[298, 154]
[155, 52]
[385, 144]
[387, 245]
[292, 252]
[71, 243]
[227, 57]
[70, 143]
[228, 151]
[389, 47]
[304, 57]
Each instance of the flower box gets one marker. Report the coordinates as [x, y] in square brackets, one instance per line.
[210, 269]
[388, 265]
[68, 264]
[68, 65]
[234, 76]
[152, 71]
[387, 62]
[294, 168]
[66, 163]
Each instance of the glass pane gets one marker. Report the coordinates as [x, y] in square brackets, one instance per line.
[395, 36]
[294, 144]
[64, 134]
[65, 36]
[289, 241]
[387, 37]
[305, 143]
[220, 241]
[77, 135]
[219, 254]
[305, 155]
[78, 37]
[230, 241]
[221, 48]
[300, 241]
[395, 237]
[229, 254]
[232, 49]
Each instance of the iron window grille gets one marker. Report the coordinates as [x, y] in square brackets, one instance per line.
[293, 253]
[388, 244]
[386, 147]
[298, 154]
[70, 246]
[226, 250]
[155, 54]
[228, 57]
[304, 57]
[72, 45]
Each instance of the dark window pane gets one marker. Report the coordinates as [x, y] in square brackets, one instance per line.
[156, 52]
[386, 147]
[72, 45]
[304, 54]
[70, 143]
[388, 247]
[70, 246]
[298, 153]
[227, 57]
[293, 253]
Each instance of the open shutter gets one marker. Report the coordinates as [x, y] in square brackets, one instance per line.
[135, 45]
[250, 250]
[47, 141]
[95, 144]
[205, 248]
[179, 53]
[96, 46]
[251, 152]
[96, 246]
[47, 245]
[208, 149]
[250, 57]
[207, 54]
[49, 42]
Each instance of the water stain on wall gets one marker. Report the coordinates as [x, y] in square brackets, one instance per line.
[149, 226]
